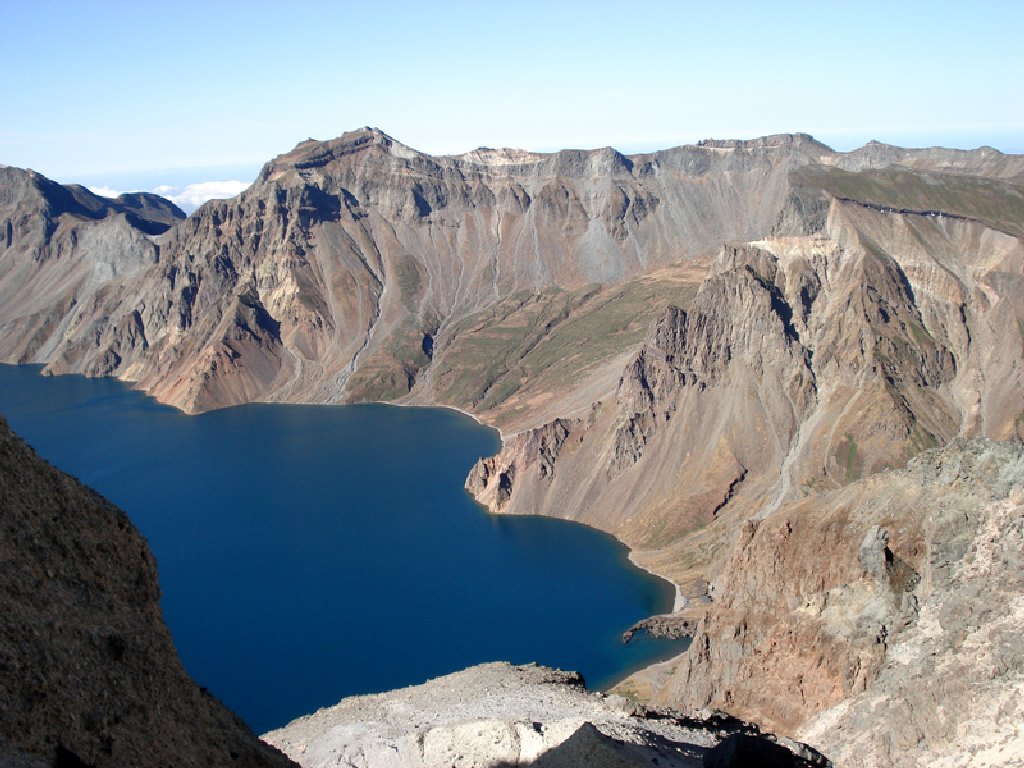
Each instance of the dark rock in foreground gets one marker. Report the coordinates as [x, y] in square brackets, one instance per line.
[88, 672]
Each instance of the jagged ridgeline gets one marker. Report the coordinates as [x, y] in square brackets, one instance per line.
[359, 268]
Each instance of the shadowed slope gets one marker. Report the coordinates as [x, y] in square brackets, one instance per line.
[88, 671]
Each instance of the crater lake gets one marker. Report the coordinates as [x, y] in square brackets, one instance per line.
[307, 553]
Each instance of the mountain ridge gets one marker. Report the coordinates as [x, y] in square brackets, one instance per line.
[353, 210]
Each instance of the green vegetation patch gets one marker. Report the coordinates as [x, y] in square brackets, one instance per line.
[996, 203]
[410, 281]
[921, 335]
[546, 341]
[847, 458]
[392, 371]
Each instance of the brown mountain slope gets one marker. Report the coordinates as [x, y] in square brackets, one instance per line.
[344, 256]
[802, 363]
[87, 668]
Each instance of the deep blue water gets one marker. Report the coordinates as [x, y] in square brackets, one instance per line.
[308, 553]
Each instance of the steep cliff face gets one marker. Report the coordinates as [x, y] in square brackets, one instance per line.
[803, 363]
[360, 249]
[88, 672]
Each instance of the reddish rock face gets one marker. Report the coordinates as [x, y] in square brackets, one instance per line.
[856, 619]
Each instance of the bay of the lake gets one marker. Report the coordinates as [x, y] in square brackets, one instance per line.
[308, 553]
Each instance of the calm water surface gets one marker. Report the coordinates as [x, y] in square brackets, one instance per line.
[312, 552]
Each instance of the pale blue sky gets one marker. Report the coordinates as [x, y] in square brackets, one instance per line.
[103, 90]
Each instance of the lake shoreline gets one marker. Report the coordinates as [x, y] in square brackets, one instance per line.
[241, 506]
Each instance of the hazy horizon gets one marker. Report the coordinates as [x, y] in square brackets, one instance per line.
[98, 90]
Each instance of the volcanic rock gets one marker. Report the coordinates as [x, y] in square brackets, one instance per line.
[88, 672]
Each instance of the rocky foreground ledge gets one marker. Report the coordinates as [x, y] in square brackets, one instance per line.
[498, 714]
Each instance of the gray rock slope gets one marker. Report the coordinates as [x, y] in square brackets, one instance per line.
[499, 714]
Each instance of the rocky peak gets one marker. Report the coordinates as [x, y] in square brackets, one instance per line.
[313, 154]
[764, 142]
[739, 325]
[29, 199]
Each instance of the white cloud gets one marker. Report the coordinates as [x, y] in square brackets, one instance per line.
[193, 195]
[104, 191]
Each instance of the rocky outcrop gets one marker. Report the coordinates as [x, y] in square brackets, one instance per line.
[497, 714]
[491, 482]
[88, 672]
[951, 685]
[668, 625]
[880, 622]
